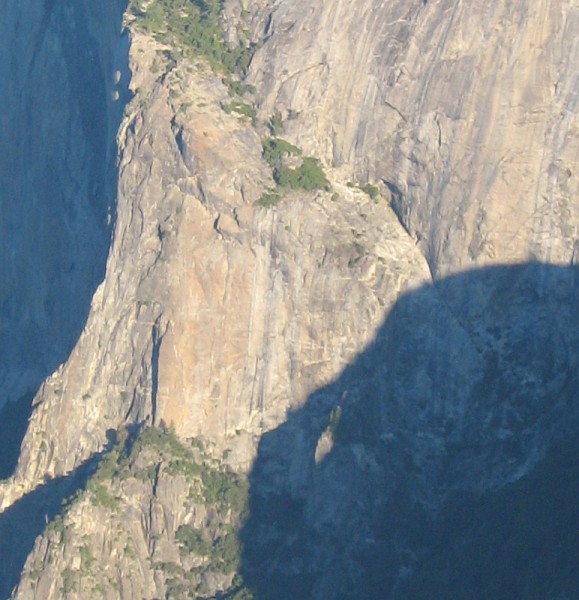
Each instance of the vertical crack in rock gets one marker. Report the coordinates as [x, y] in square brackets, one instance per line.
[157, 337]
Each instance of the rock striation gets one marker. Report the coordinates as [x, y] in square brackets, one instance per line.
[208, 299]
[345, 348]
[457, 397]
[466, 112]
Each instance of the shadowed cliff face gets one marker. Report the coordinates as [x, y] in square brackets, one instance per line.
[27, 518]
[368, 491]
[61, 106]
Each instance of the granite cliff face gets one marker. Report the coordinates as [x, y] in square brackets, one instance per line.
[466, 112]
[208, 299]
[341, 347]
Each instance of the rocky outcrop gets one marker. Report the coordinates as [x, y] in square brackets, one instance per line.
[154, 508]
[209, 300]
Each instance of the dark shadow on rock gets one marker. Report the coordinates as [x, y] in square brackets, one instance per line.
[13, 422]
[27, 518]
[56, 228]
[442, 463]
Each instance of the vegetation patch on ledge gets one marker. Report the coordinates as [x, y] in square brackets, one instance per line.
[290, 170]
[196, 28]
[241, 108]
[208, 553]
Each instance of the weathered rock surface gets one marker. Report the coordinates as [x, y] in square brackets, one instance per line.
[209, 301]
[468, 385]
[247, 326]
[154, 509]
[467, 111]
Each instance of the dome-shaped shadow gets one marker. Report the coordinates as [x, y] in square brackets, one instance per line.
[442, 463]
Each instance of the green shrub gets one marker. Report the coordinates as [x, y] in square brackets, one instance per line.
[241, 108]
[56, 526]
[166, 444]
[309, 176]
[176, 589]
[187, 468]
[69, 581]
[221, 487]
[86, 558]
[102, 496]
[170, 568]
[148, 473]
[268, 199]
[227, 551]
[274, 149]
[195, 27]
[371, 190]
[238, 88]
[193, 541]
[164, 441]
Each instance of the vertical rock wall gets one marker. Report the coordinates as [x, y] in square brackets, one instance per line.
[466, 110]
